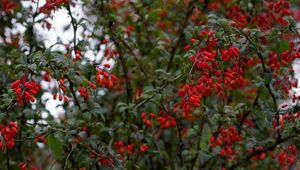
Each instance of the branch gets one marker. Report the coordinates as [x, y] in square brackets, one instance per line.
[74, 25]
[181, 34]
[31, 29]
[180, 144]
[162, 87]
[135, 57]
[125, 72]
[66, 161]
[268, 85]
[257, 152]
[71, 86]
[123, 63]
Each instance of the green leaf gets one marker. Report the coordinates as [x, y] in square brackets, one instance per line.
[191, 133]
[283, 46]
[96, 110]
[32, 67]
[55, 145]
[188, 36]
[87, 116]
[122, 106]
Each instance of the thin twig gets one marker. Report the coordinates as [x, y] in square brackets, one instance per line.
[67, 158]
[268, 85]
[162, 87]
[71, 86]
[74, 25]
[181, 34]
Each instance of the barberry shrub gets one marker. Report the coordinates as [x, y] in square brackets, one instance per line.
[150, 84]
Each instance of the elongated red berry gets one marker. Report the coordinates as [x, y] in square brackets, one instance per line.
[55, 96]
[60, 97]
[66, 100]
[92, 85]
[15, 84]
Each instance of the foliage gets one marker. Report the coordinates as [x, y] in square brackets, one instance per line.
[186, 84]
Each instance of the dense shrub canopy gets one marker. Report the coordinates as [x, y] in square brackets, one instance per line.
[150, 84]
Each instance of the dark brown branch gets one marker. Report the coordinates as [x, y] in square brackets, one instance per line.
[180, 143]
[67, 158]
[268, 85]
[125, 73]
[135, 57]
[181, 34]
[71, 86]
[74, 25]
[257, 152]
[123, 63]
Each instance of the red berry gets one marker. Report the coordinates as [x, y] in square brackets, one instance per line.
[187, 47]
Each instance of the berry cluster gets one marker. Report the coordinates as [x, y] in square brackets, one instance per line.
[166, 121]
[105, 80]
[260, 156]
[272, 15]
[109, 54]
[8, 134]
[61, 97]
[235, 14]
[84, 92]
[273, 62]
[226, 138]
[61, 84]
[106, 161]
[284, 118]
[144, 148]
[8, 6]
[25, 90]
[233, 78]
[230, 53]
[51, 5]
[121, 148]
[287, 158]
[63, 89]
[77, 56]
[146, 121]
